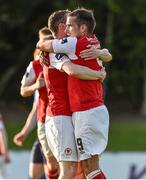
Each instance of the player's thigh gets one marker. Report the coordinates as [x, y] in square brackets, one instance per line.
[36, 170]
[36, 153]
[60, 137]
[42, 139]
[91, 131]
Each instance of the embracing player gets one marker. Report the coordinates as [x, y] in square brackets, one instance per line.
[90, 115]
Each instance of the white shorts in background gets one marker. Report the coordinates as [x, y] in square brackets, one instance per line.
[43, 139]
[91, 131]
[60, 137]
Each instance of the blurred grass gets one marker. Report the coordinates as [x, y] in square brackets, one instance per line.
[14, 127]
[127, 136]
[123, 136]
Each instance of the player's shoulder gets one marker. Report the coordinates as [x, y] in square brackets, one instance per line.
[35, 62]
[68, 40]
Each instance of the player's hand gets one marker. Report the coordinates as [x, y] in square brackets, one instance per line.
[39, 42]
[19, 139]
[43, 59]
[102, 74]
[91, 53]
[40, 82]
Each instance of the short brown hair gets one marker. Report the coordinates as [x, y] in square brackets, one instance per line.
[44, 31]
[56, 18]
[84, 16]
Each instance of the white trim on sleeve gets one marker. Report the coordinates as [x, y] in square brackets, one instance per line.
[29, 76]
[57, 60]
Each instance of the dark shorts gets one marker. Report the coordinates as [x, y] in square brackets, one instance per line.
[37, 155]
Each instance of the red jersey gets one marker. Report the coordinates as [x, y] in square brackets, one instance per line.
[83, 94]
[33, 71]
[56, 83]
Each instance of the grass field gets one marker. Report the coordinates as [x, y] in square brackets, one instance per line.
[127, 136]
[123, 136]
[14, 127]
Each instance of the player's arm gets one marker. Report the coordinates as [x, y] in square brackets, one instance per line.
[30, 123]
[63, 63]
[92, 52]
[45, 45]
[83, 72]
[27, 84]
[66, 45]
[26, 91]
[4, 145]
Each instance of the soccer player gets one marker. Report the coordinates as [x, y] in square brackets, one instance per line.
[90, 115]
[33, 81]
[58, 122]
[4, 153]
[37, 162]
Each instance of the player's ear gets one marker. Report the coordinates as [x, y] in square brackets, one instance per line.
[83, 29]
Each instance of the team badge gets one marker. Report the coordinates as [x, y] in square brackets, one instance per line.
[68, 151]
[64, 40]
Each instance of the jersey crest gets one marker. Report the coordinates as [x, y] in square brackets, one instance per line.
[64, 40]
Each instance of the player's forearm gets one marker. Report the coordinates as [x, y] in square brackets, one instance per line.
[30, 122]
[86, 73]
[45, 45]
[27, 91]
[81, 72]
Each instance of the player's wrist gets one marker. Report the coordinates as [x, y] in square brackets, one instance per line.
[34, 87]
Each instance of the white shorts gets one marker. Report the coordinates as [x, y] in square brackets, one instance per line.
[60, 137]
[91, 131]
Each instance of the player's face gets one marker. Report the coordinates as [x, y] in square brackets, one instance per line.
[72, 29]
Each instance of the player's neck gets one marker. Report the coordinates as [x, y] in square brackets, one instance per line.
[60, 35]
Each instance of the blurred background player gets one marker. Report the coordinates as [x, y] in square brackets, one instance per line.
[4, 152]
[37, 161]
[33, 81]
